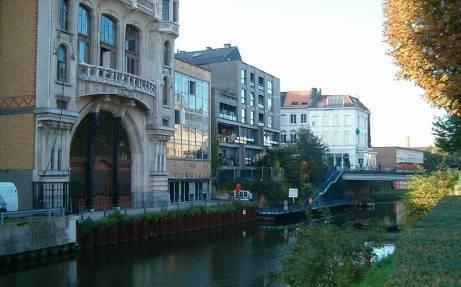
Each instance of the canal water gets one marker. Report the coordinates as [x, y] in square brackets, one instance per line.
[245, 255]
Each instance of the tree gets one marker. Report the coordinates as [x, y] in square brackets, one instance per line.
[447, 132]
[424, 38]
[302, 162]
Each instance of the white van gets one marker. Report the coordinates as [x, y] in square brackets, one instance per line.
[8, 197]
[243, 195]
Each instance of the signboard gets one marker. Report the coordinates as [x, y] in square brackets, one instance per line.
[293, 193]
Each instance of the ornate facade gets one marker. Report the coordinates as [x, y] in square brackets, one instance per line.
[104, 103]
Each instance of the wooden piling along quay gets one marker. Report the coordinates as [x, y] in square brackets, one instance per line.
[150, 226]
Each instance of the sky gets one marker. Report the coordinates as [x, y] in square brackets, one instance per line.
[335, 45]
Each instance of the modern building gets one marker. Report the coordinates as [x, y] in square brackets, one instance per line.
[341, 121]
[87, 98]
[245, 109]
[188, 157]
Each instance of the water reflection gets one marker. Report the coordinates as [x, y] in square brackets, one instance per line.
[248, 255]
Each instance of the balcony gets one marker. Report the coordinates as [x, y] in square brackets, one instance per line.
[101, 80]
[150, 7]
[228, 116]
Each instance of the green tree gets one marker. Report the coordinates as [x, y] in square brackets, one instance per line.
[424, 37]
[447, 132]
[303, 162]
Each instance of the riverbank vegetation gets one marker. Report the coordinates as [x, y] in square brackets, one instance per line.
[428, 253]
[331, 255]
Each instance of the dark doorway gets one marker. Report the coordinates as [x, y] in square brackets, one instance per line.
[100, 161]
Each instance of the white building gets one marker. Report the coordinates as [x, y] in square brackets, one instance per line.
[341, 121]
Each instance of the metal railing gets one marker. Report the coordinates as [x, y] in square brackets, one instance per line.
[32, 213]
[48, 195]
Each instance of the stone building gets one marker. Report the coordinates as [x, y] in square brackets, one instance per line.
[188, 157]
[87, 98]
[245, 110]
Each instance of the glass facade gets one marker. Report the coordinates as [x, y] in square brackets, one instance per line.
[191, 139]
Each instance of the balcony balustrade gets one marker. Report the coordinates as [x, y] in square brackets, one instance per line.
[117, 78]
[227, 116]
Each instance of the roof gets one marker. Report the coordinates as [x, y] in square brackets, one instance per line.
[210, 56]
[296, 98]
[399, 147]
[337, 101]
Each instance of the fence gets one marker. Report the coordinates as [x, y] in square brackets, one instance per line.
[48, 195]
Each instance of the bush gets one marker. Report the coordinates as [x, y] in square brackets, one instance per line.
[330, 255]
[426, 191]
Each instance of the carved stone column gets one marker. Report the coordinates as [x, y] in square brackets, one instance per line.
[158, 175]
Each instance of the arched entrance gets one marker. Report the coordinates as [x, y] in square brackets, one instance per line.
[100, 162]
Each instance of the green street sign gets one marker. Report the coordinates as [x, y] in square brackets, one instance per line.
[357, 131]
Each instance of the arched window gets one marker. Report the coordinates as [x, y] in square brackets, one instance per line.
[61, 71]
[165, 91]
[166, 10]
[108, 35]
[132, 50]
[166, 54]
[83, 28]
[63, 14]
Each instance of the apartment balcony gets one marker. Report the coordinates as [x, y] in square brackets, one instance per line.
[227, 116]
[96, 80]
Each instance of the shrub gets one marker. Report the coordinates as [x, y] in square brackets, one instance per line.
[426, 191]
[330, 255]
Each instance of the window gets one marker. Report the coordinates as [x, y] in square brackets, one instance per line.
[166, 54]
[192, 87]
[108, 33]
[261, 102]
[252, 118]
[347, 120]
[303, 118]
[62, 64]
[261, 120]
[63, 14]
[243, 116]
[270, 121]
[243, 76]
[269, 87]
[242, 96]
[347, 137]
[261, 83]
[283, 138]
[314, 120]
[175, 11]
[165, 91]
[252, 99]
[132, 50]
[293, 136]
[293, 119]
[252, 79]
[270, 104]
[335, 120]
[336, 138]
[166, 10]
[325, 120]
[83, 28]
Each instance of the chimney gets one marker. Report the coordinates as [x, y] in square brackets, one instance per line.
[209, 48]
[227, 45]
[407, 141]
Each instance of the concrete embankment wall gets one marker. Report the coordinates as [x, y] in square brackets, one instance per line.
[37, 235]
